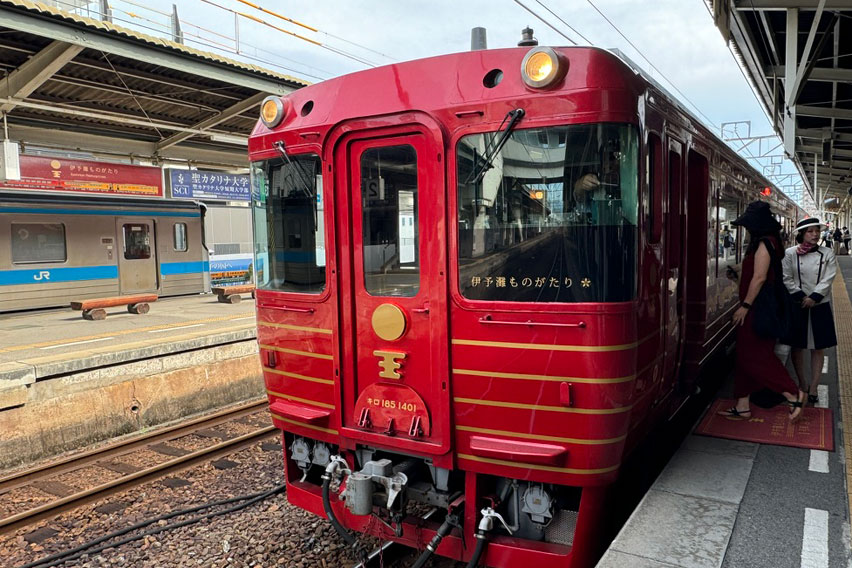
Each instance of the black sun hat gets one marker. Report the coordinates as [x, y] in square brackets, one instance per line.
[758, 218]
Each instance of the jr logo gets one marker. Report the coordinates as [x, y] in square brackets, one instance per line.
[42, 275]
[389, 364]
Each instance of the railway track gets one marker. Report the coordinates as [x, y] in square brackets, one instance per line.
[164, 442]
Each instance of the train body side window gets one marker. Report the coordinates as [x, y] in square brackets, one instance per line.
[180, 237]
[728, 233]
[38, 242]
[137, 241]
[654, 169]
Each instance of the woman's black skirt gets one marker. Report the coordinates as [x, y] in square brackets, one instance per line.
[812, 328]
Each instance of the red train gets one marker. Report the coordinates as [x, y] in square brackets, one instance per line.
[482, 278]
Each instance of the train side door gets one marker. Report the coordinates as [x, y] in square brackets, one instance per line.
[137, 255]
[393, 288]
[675, 247]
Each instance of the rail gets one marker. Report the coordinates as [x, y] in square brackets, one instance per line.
[48, 510]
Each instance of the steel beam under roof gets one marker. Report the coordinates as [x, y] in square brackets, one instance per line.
[69, 82]
[798, 56]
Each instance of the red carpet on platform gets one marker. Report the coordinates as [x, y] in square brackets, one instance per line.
[771, 426]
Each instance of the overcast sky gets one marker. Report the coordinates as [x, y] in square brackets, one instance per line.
[678, 37]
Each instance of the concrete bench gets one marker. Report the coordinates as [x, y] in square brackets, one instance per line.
[231, 294]
[94, 309]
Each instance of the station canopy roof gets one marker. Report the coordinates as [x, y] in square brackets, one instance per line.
[798, 56]
[75, 83]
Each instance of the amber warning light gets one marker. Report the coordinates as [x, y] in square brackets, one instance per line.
[271, 111]
[767, 191]
[542, 67]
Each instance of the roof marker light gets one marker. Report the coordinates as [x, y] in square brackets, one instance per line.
[271, 111]
[542, 67]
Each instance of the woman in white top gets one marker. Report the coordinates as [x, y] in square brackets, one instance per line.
[809, 270]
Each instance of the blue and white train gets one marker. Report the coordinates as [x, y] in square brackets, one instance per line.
[54, 249]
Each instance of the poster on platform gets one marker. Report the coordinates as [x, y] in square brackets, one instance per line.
[203, 184]
[43, 173]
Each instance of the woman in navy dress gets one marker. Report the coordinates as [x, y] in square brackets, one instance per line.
[809, 271]
[757, 367]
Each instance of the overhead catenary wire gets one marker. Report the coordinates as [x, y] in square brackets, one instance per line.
[564, 23]
[642, 55]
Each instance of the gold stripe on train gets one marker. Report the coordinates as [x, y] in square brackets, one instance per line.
[540, 467]
[302, 400]
[522, 406]
[552, 347]
[526, 377]
[303, 425]
[543, 437]
[297, 376]
[265, 323]
[297, 352]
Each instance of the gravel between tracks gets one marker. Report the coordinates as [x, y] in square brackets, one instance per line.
[267, 534]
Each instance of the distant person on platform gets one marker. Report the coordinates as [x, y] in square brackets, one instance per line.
[756, 366]
[809, 271]
[846, 238]
[837, 237]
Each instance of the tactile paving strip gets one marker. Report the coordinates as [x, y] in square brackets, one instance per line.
[842, 316]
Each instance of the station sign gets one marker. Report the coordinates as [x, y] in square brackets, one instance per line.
[204, 184]
[43, 173]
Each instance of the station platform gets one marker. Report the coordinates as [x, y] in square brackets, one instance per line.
[734, 504]
[66, 382]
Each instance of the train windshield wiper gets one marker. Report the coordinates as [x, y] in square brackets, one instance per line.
[305, 186]
[513, 117]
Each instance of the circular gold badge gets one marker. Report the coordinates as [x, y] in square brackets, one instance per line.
[389, 322]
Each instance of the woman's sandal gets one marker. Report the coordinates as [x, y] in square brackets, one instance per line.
[796, 407]
[734, 413]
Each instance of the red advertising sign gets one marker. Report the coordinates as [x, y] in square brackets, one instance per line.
[80, 176]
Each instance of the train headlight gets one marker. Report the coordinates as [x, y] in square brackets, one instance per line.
[542, 67]
[271, 111]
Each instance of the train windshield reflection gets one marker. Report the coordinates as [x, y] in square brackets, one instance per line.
[287, 215]
[554, 217]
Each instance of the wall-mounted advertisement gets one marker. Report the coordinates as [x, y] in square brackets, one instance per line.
[203, 184]
[43, 173]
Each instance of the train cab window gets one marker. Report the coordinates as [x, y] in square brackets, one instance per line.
[137, 241]
[551, 217]
[289, 232]
[180, 243]
[38, 242]
[390, 236]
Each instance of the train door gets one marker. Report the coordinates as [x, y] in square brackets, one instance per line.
[675, 248]
[393, 288]
[137, 256]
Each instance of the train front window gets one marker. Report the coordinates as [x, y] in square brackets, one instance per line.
[289, 232]
[553, 219]
[390, 236]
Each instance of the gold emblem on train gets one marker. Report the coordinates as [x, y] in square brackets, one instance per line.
[389, 322]
[389, 364]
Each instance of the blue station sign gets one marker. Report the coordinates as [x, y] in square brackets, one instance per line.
[203, 184]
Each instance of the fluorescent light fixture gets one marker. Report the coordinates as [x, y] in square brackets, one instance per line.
[229, 139]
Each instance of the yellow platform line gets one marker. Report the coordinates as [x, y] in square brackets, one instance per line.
[842, 315]
[135, 331]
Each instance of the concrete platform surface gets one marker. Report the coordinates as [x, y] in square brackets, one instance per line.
[729, 504]
[58, 341]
